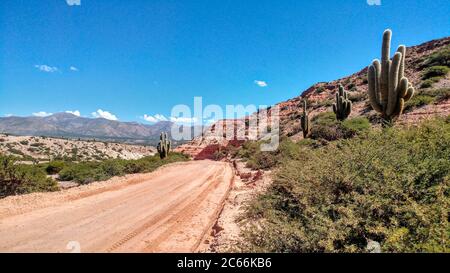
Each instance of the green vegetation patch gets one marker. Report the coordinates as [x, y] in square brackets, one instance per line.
[390, 186]
[87, 172]
[435, 72]
[439, 58]
[20, 179]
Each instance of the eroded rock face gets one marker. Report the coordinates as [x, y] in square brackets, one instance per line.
[321, 95]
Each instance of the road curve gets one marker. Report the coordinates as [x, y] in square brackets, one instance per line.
[169, 210]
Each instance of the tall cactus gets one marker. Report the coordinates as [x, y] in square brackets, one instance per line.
[305, 121]
[164, 145]
[389, 89]
[343, 106]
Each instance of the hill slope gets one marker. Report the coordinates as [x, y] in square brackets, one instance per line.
[428, 101]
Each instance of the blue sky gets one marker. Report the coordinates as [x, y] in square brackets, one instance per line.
[141, 57]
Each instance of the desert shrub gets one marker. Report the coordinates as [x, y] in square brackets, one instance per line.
[24, 142]
[38, 144]
[357, 96]
[320, 90]
[87, 172]
[327, 132]
[327, 127]
[439, 58]
[113, 167]
[356, 125]
[430, 82]
[16, 151]
[324, 103]
[263, 160]
[390, 186]
[351, 87]
[418, 101]
[324, 118]
[136, 166]
[248, 149]
[440, 94]
[83, 173]
[20, 179]
[54, 167]
[435, 71]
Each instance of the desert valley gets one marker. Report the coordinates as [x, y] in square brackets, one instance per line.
[104, 186]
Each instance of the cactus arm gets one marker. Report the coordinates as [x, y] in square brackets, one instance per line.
[349, 109]
[374, 94]
[393, 84]
[401, 73]
[385, 64]
[402, 88]
[409, 94]
[304, 120]
[400, 106]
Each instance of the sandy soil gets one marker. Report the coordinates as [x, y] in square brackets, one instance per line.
[169, 210]
[225, 235]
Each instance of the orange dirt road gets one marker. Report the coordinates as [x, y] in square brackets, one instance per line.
[169, 210]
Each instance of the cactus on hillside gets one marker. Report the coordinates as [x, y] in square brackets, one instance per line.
[389, 89]
[343, 106]
[164, 145]
[305, 121]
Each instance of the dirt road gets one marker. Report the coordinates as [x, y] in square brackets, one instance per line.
[169, 210]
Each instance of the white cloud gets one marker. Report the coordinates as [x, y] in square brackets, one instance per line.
[374, 2]
[155, 118]
[73, 68]
[209, 121]
[42, 114]
[183, 120]
[261, 83]
[104, 114]
[8, 115]
[73, 2]
[76, 113]
[46, 68]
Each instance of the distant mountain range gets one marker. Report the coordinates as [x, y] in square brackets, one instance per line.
[72, 126]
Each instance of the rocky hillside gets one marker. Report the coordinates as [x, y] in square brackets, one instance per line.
[432, 96]
[30, 148]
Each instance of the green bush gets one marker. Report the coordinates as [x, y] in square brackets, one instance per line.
[356, 125]
[329, 132]
[430, 82]
[389, 186]
[54, 167]
[357, 96]
[439, 58]
[418, 101]
[325, 119]
[87, 172]
[440, 94]
[435, 71]
[427, 84]
[263, 160]
[113, 167]
[20, 179]
[327, 127]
